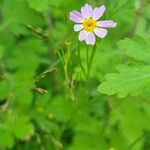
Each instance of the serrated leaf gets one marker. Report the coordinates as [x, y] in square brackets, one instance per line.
[128, 80]
[137, 48]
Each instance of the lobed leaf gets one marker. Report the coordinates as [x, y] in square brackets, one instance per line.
[137, 48]
[128, 80]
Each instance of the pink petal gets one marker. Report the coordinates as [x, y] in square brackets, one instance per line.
[98, 12]
[106, 24]
[90, 39]
[82, 35]
[100, 32]
[75, 16]
[78, 27]
[86, 11]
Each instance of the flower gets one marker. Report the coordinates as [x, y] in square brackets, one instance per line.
[88, 23]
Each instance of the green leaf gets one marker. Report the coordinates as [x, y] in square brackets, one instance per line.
[6, 140]
[13, 126]
[38, 4]
[132, 118]
[137, 48]
[128, 80]
[18, 15]
[43, 5]
[1, 51]
[27, 53]
[85, 141]
[4, 90]
[22, 128]
[56, 3]
[59, 108]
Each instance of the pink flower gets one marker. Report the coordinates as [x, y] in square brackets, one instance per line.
[88, 23]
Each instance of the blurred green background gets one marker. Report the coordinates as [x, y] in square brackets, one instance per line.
[38, 110]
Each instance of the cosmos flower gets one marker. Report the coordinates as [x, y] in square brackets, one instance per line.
[88, 24]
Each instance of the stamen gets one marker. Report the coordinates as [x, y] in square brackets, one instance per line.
[89, 24]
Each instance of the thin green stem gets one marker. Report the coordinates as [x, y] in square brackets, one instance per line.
[61, 57]
[66, 60]
[87, 60]
[5, 25]
[132, 145]
[91, 59]
[81, 66]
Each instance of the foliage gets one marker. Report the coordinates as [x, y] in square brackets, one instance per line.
[56, 94]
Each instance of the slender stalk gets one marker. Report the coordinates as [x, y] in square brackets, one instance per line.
[87, 60]
[5, 25]
[79, 58]
[91, 60]
[132, 145]
[66, 60]
[138, 16]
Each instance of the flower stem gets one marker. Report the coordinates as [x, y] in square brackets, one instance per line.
[79, 57]
[87, 60]
[91, 60]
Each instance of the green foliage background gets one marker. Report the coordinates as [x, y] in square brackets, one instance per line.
[40, 110]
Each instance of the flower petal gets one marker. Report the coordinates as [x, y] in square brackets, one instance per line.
[76, 16]
[100, 32]
[106, 24]
[82, 35]
[78, 27]
[90, 39]
[86, 11]
[98, 12]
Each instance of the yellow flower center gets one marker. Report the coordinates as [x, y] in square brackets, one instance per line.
[89, 25]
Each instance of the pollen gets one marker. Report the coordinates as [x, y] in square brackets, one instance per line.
[89, 24]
